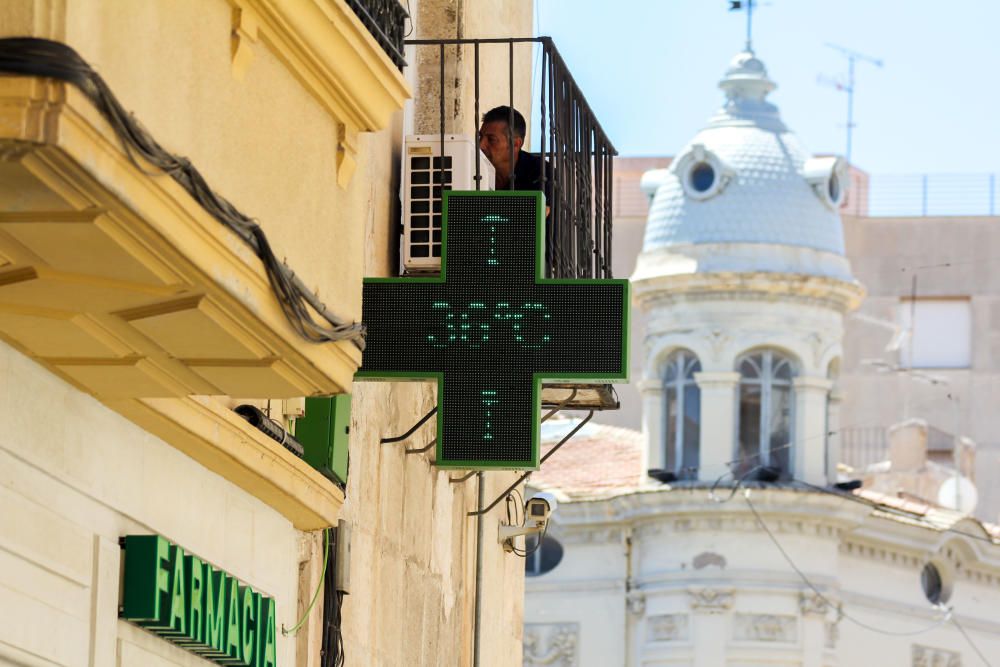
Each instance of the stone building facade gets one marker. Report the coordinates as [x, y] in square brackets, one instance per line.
[737, 548]
[132, 321]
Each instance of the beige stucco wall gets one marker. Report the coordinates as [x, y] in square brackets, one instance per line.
[86, 476]
[414, 547]
[76, 477]
[263, 142]
[668, 577]
[957, 253]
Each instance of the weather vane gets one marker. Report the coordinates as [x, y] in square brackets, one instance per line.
[737, 5]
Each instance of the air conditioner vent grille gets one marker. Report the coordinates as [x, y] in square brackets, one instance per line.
[426, 175]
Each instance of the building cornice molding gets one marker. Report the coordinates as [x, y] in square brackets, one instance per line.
[665, 291]
[327, 48]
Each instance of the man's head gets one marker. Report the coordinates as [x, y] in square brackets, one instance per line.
[496, 135]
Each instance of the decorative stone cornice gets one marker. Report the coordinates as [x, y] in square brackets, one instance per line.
[833, 293]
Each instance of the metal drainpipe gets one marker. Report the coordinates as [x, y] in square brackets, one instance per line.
[628, 591]
[479, 571]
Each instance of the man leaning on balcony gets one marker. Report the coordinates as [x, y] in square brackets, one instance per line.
[495, 138]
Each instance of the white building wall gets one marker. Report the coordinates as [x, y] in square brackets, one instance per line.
[709, 587]
[585, 596]
[74, 477]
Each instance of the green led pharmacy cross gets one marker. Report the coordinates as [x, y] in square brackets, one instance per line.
[491, 328]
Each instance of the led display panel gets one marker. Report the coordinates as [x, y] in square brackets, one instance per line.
[491, 328]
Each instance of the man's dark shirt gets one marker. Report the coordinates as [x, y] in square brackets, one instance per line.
[528, 174]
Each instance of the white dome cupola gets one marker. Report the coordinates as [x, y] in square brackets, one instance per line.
[744, 283]
[745, 179]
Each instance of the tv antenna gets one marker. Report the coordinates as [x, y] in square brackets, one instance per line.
[848, 86]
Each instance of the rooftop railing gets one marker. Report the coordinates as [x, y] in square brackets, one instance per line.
[385, 20]
[578, 178]
[926, 195]
[863, 446]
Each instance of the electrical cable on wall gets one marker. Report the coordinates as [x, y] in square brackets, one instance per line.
[332, 651]
[40, 57]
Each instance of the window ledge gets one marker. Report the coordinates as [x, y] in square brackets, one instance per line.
[207, 431]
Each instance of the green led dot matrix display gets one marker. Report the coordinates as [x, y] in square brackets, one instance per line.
[491, 328]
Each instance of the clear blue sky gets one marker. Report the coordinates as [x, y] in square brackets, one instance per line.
[649, 69]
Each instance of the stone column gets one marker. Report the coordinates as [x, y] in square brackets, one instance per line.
[833, 439]
[718, 421]
[813, 609]
[809, 452]
[710, 617]
[652, 422]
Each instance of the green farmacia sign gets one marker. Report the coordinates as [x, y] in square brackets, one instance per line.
[195, 605]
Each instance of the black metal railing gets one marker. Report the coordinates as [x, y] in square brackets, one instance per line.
[386, 21]
[578, 176]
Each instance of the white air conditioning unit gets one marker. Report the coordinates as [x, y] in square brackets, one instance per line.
[423, 172]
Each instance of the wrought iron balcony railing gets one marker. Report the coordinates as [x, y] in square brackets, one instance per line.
[577, 179]
[385, 20]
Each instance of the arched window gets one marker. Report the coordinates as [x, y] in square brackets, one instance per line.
[765, 412]
[682, 411]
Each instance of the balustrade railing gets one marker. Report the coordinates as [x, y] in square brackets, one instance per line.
[577, 179]
[386, 21]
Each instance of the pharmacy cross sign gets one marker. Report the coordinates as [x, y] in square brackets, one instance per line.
[491, 328]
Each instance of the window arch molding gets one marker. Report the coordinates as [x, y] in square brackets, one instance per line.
[765, 413]
[681, 413]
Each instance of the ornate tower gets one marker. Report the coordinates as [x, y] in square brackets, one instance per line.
[745, 285]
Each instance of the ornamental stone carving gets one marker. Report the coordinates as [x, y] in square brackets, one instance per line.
[764, 628]
[711, 600]
[636, 603]
[812, 603]
[925, 656]
[550, 644]
[667, 628]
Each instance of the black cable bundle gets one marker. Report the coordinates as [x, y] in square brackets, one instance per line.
[269, 427]
[332, 654]
[41, 57]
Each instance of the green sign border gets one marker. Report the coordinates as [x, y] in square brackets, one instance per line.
[537, 378]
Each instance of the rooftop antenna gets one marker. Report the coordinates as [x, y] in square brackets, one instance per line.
[852, 57]
[737, 5]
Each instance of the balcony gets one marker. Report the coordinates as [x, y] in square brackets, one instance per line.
[578, 181]
[385, 21]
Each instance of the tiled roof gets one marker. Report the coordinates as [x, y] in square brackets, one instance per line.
[917, 512]
[598, 462]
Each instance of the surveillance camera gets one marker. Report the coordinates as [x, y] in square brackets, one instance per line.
[540, 507]
[537, 511]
